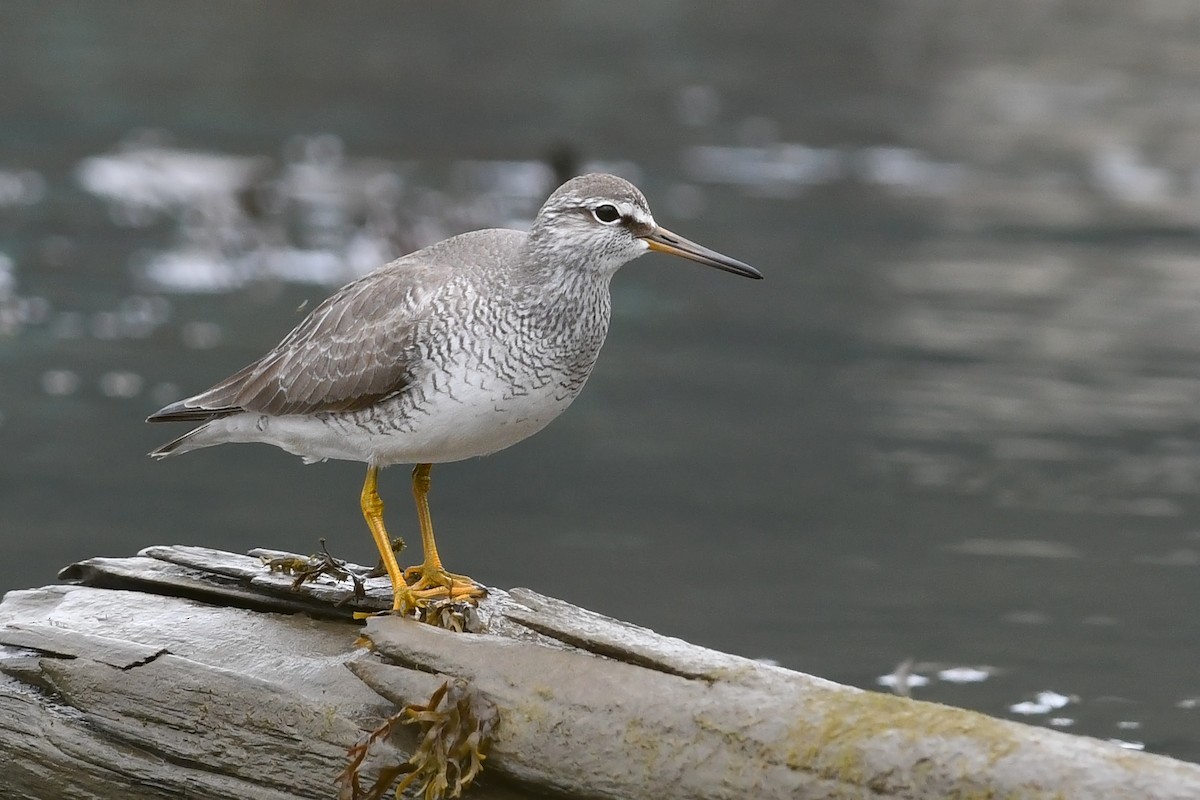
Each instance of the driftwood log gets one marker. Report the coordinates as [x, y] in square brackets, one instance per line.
[187, 672]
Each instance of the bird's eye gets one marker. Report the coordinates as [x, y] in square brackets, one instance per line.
[606, 214]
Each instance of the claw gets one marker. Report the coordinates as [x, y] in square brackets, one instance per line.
[437, 584]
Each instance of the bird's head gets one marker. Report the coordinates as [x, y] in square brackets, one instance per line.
[601, 222]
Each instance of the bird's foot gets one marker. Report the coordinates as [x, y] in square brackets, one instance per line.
[406, 602]
[434, 583]
[452, 608]
[432, 589]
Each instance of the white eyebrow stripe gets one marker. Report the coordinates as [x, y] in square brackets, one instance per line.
[637, 215]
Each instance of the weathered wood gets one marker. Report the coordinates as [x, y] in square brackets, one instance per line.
[165, 724]
[197, 700]
[217, 688]
[737, 728]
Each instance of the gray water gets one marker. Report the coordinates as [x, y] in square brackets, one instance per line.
[954, 429]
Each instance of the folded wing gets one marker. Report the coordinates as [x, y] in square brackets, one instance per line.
[354, 350]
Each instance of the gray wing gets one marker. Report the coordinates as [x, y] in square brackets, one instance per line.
[354, 350]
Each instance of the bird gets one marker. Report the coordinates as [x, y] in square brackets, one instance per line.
[454, 351]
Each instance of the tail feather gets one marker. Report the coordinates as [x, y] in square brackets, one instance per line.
[192, 440]
[182, 412]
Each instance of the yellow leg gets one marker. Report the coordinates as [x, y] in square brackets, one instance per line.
[431, 578]
[403, 598]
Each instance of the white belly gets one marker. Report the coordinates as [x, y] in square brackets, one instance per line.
[474, 420]
[452, 417]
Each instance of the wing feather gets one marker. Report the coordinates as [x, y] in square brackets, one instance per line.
[362, 344]
[352, 351]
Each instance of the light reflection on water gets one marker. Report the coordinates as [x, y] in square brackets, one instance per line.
[1072, 372]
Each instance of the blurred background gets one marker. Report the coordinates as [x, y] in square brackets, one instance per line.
[949, 446]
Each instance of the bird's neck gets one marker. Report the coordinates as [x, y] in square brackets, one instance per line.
[569, 300]
[552, 279]
[567, 304]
